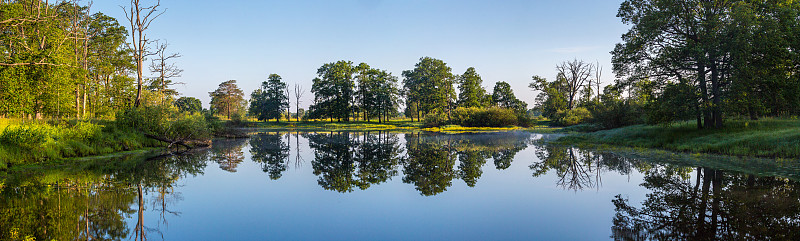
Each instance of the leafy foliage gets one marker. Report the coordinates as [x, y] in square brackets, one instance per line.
[189, 104]
[227, 99]
[429, 87]
[269, 101]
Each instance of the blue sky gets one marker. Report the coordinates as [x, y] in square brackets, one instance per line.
[504, 40]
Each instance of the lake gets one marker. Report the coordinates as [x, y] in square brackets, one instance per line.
[405, 186]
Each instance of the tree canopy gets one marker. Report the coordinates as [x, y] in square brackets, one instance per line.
[228, 99]
[269, 101]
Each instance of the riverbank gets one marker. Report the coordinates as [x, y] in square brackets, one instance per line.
[392, 125]
[46, 141]
[772, 138]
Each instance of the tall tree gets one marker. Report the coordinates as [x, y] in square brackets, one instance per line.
[165, 71]
[429, 87]
[575, 74]
[298, 93]
[377, 93]
[503, 96]
[108, 59]
[269, 101]
[334, 90]
[470, 90]
[140, 18]
[551, 98]
[711, 45]
[227, 99]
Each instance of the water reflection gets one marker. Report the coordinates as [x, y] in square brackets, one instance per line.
[344, 161]
[94, 201]
[112, 199]
[272, 152]
[579, 169]
[228, 153]
[717, 205]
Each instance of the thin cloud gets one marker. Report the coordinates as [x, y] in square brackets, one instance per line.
[572, 50]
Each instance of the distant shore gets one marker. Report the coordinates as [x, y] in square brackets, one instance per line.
[770, 138]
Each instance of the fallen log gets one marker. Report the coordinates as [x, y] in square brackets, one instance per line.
[171, 142]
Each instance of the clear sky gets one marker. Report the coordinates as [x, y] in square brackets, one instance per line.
[505, 40]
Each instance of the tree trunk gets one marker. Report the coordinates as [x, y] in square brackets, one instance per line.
[717, 98]
[701, 76]
[77, 102]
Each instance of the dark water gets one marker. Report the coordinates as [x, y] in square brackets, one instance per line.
[390, 186]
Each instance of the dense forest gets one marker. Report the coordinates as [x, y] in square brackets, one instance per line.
[62, 60]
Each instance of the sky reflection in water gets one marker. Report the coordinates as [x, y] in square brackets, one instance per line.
[390, 186]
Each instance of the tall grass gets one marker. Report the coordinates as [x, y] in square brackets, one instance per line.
[42, 141]
[762, 138]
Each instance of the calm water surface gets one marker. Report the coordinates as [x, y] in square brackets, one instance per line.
[397, 186]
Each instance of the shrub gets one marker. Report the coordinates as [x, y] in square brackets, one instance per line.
[435, 119]
[168, 123]
[485, 117]
[614, 115]
[190, 127]
[149, 119]
[572, 117]
[26, 136]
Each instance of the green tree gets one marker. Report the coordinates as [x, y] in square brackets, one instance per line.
[334, 91]
[550, 99]
[429, 87]
[227, 99]
[189, 104]
[377, 93]
[269, 101]
[470, 90]
[503, 96]
[718, 47]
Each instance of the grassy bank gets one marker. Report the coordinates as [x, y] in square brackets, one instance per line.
[392, 125]
[42, 141]
[132, 129]
[763, 138]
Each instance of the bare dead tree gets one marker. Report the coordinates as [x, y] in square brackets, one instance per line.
[288, 104]
[575, 73]
[298, 93]
[161, 65]
[598, 73]
[140, 19]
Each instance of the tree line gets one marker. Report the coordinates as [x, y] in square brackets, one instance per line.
[698, 60]
[61, 59]
[344, 91]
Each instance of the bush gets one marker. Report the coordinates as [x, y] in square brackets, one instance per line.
[149, 119]
[615, 115]
[435, 119]
[26, 136]
[572, 117]
[485, 117]
[168, 123]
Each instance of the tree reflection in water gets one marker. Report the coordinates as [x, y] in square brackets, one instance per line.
[96, 200]
[430, 159]
[272, 152]
[228, 153]
[92, 203]
[346, 160]
[718, 205]
[579, 169]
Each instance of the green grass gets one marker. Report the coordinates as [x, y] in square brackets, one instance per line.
[762, 138]
[402, 125]
[48, 141]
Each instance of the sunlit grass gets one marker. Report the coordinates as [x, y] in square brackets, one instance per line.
[401, 125]
[763, 138]
[37, 141]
